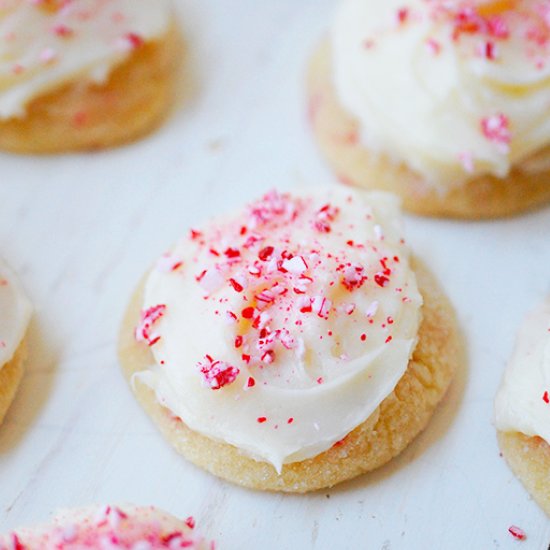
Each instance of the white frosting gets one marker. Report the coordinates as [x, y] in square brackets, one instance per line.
[521, 403]
[43, 47]
[340, 322]
[423, 90]
[15, 312]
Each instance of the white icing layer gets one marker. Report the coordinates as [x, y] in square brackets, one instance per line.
[15, 312]
[45, 44]
[452, 89]
[523, 399]
[307, 307]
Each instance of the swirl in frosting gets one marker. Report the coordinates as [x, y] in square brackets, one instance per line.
[452, 89]
[523, 400]
[15, 312]
[281, 329]
[45, 44]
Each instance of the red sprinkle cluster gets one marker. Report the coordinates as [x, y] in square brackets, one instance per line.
[493, 23]
[217, 374]
[517, 532]
[274, 280]
[323, 217]
[148, 318]
[469, 19]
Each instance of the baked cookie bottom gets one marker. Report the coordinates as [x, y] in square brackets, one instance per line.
[529, 459]
[337, 132]
[396, 422]
[10, 378]
[85, 116]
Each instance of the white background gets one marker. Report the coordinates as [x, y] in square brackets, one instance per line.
[80, 230]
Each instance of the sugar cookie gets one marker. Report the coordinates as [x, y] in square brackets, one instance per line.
[522, 407]
[445, 104]
[289, 346]
[84, 75]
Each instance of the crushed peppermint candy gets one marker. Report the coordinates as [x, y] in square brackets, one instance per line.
[148, 319]
[402, 15]
[217, 374]
[491, 23]
[277, 281]
[167, 263]
[131, 41]
[496, 128]
[517, 532]
[288, 282]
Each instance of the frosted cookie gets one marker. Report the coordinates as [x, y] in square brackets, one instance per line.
[15, 312]
[446, 104]
[109, 527]
[83, 74]
[290, 347]
[522, 407]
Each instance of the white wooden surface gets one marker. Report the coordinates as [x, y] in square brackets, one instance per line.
[81, 230]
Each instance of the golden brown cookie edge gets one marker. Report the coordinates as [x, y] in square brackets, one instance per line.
[398, 420]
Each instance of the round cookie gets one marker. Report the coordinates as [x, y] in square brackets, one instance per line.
[85, 112]
[386, 432]
[15, 312]
[338, 134]
[120, 527]
[522, 407]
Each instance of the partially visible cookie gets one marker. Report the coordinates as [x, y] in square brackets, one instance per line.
[11, 374]
[529, 458]
[15, 312]
[281, 353]
[522, 407]
[113, 527]
[86, 75]
[452, 132]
